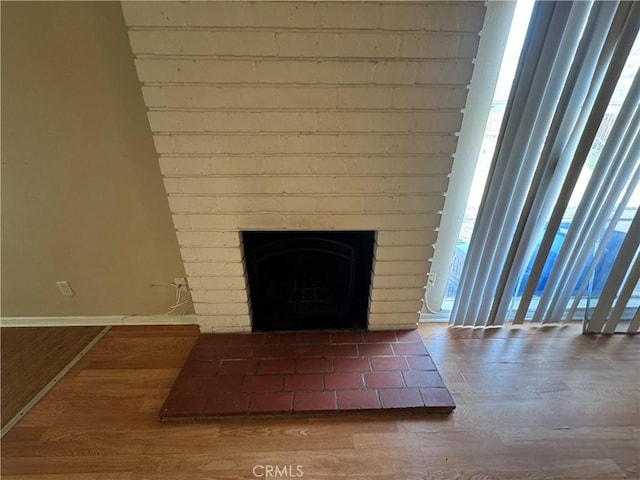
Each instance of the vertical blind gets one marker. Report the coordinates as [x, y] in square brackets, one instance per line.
[573, 57]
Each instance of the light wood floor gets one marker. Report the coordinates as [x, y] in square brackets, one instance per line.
[533, 403]
[32, 357]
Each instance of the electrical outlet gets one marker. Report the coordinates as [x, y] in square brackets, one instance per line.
[65, 288]
[431, 279]
[181, 284]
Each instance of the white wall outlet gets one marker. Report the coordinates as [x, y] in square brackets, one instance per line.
[431, 279]
[181, 284]
[65, 288]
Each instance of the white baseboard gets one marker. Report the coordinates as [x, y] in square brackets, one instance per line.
[99, 320]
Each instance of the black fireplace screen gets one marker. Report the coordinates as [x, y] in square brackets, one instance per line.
[309, 280]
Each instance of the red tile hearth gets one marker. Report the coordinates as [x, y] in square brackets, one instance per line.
[306, 372]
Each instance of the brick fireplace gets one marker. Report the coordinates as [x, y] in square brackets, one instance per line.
[327, 116]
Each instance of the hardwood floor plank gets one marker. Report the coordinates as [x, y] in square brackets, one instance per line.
[70, 476]
[32, 357]
[533, 404]
[308, 427]
[62, 463]
[479, 469]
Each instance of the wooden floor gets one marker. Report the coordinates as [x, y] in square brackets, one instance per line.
[32, 357]
[533, 403]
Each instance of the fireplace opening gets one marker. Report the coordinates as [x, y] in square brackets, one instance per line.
[304, 280]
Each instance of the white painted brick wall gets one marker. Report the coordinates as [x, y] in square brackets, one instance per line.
[418, 253]
[396, 294]
[355, 98]
[279, 184]
[209, 239]
[347, 15]
[466, 17]
[452, 46]
[416, 204]
[407, 237]
[435, 16]
[392, 321]
[174, 14]
[198, 267]
[395, 16]
[399, 267]
[444, 73]
[202, 42]
[222, 308]
[429, 97]
[223, 323]
[393, 307]
[225, 122]
[283, 203]
[406, 185]
[224, 282]
[211, 254]
[406, 280]
[329, 44]
[283, 14]
[181, 222]
[311, 97]
[219, 296]
[304, 115]
[401, 203]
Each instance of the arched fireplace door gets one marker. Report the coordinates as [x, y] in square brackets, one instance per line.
[305, 280]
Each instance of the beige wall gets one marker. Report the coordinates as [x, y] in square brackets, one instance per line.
[82, 194]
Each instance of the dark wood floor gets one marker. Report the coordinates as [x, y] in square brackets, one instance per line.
[32, 357]
[532, 404]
